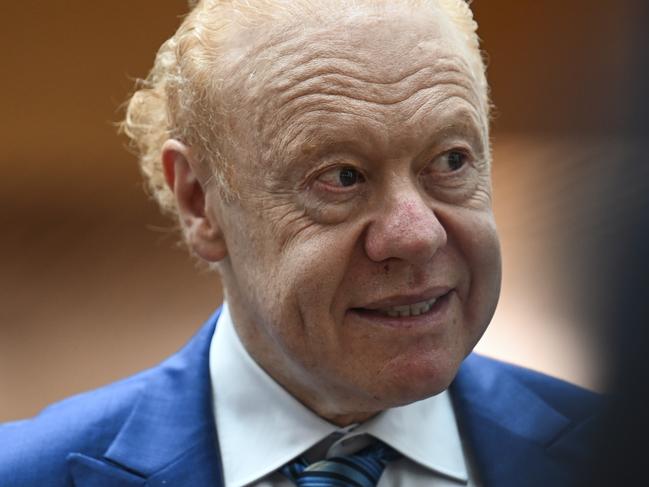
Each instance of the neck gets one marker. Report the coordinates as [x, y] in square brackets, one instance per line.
[347, 419]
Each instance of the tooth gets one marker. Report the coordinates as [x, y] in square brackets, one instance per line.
[409, 310]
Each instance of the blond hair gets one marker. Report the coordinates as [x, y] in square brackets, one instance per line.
[180, 96]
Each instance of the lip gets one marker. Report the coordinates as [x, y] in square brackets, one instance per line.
[434, 318]
[406, 299]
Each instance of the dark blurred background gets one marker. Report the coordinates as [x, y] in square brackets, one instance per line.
[93, 285]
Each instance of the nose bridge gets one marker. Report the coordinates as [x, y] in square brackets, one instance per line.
[405, 227]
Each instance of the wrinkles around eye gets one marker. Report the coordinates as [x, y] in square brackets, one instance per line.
[453, 187]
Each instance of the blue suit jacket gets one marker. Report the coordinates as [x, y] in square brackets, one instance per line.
[157, 428]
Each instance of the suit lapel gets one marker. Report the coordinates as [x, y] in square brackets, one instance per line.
[510, 429]
[170, 436]
[87, 471]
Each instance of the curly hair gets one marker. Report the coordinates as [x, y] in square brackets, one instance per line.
[180, 98]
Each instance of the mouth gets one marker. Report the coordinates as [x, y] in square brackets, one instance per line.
[405, 308]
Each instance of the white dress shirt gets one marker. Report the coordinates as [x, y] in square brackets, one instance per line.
[261, 427]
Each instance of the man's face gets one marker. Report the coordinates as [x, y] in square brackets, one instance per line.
[363, 258]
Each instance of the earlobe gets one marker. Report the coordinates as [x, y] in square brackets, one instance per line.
[199, 219]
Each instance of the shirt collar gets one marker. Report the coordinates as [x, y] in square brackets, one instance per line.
[261, 426]
[424, 431]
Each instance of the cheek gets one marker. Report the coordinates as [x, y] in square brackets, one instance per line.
[481, 250]
[315, 265]
[301, 268]
[309, 300]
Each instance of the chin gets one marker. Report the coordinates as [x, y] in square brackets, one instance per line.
[416, 380]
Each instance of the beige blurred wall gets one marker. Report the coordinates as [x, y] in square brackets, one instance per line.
[93, 285]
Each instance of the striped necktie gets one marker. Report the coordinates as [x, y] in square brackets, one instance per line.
[362, 469]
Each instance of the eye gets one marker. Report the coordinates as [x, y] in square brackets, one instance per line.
[450, 161]
[341, 177]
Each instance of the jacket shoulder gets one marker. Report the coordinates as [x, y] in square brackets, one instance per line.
[156, 413]
[33, 451]
[525, 428]
[572, 401]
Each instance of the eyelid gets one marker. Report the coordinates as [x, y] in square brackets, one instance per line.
[467, 153]
[459, 147]
[313, 178]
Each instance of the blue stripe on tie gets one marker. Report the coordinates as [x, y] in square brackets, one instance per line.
[338, 468]
[325, 482]
[372, 465]
[353, 463]
[362, 469]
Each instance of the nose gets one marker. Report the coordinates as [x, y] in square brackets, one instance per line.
[405, 228]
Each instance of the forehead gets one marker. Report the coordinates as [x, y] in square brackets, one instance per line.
[354, 80]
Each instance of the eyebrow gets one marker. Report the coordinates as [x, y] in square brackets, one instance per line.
[311, 141]
[463, 122]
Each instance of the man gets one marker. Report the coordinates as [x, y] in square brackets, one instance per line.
[331, 160]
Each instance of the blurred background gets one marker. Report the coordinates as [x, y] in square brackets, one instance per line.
[93, 285]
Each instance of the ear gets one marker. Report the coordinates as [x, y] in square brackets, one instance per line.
[199, 221]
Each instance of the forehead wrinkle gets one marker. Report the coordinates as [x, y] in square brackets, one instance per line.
[312, 65]
[309, 42]
[278, 112]
[278, 72]
[279, 134]
[285, 68]
[309, 140]
[462, 94]
[320, 75]
[299, 103]
[283, 130]
[307, 105]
